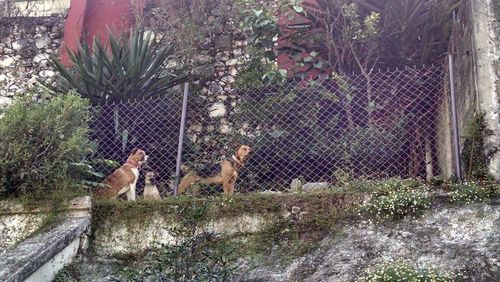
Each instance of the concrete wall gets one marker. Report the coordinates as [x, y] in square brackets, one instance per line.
[475, 47]
[48, 270]
[127, 238]
[41, 256]
[486, 48]
[18, 222]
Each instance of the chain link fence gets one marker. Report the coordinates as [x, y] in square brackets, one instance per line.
[385, 125]
[150, 124]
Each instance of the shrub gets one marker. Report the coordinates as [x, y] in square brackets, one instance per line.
[41, 140]
[470, 192]
[393, 198]
[384, 187]
[403, 272]
[397, 205]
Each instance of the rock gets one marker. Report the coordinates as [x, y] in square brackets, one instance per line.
[296, 186]
[222, 97]
[173, 64]
[239, 43]
[202, 59]
[42, 42]
[19, 44]
[210, 128]
[232, 62]
[315, 186]
[233, 72]
[47, 73]
[270, 192]
[14, 88]
[193, 138]
[221, 57]
[223, 42]
[203, 71]
[40, 29]
[217, 110]
[41, 57]
[215, 88]
[195, 128]
[5, 101]
[224, 128]
[6, 61]
[6, 40]
[238, 52]
[228, 79]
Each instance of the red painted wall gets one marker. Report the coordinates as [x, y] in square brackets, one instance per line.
[73, 28]
[88, 19]
[285, 61]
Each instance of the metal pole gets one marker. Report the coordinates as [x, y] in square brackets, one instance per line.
[454, 119]
[181, 138]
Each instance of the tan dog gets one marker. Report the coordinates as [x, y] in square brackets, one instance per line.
[224, 173]
[124, 179]
[150, 190]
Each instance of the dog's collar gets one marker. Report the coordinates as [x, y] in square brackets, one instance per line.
[132, 163]
[235, 159]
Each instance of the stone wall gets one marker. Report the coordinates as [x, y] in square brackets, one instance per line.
[26, 44]
[210, 40]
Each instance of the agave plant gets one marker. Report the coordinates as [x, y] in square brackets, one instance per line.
[131, 66]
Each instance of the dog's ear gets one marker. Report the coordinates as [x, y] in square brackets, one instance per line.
[134, 151]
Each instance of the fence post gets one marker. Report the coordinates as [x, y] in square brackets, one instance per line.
[454, 119]
[181, 137]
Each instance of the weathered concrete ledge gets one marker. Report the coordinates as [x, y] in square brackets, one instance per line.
[18, 222]
[40, 257]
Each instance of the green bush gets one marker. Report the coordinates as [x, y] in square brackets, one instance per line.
[471, 192]
[394, 199]
[42, 139]
[403, 272]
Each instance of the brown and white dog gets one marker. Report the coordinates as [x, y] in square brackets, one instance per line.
[150, 190]
[224, 173]
[124, 179]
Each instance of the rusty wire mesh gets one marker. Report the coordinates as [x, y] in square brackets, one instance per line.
[392, 125]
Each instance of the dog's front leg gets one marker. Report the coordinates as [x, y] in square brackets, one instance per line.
[131, 192]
